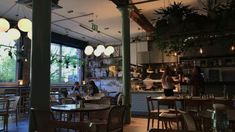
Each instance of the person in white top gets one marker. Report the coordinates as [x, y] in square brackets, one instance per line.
[167, 82]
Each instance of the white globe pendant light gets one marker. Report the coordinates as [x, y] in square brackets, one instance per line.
[4, 39]
[97, 53]
[110, 49]
[4, 25]
[13, 34]
[29, 34]
[25, 25]
[88, 50]
[100, 48]
[106, 53]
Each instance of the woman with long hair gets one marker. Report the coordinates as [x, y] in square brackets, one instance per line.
[167, 82]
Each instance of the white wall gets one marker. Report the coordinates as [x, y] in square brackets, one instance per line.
[141, 55]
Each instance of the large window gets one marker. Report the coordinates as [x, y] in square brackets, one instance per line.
[7, 64]
[65, 64]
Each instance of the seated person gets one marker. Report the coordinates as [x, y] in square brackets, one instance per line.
[75, 89]
[94, 89]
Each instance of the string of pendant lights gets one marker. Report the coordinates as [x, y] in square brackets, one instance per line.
[99, 50]
[12, 34]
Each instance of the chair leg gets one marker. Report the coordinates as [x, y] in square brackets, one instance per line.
[178, 128]
[165, 123]
[148, 123]
[152, 122]
[6, 123]
[169, 125]
[16, 118]
[157, 123]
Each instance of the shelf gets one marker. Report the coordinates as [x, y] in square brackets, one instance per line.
[103, 78]
[103, 58]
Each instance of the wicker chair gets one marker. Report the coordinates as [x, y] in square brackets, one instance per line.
[52, 125]
[120, 99]
[100, 115]
[114, 123]
[13, 107]
[4, 107]
[189, 122]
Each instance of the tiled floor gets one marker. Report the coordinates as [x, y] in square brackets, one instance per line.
[137, 125]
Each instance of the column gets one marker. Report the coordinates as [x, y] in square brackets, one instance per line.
[126, 59]
[40, 58]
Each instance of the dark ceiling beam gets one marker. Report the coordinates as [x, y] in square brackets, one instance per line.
[135, 14]
[142, 2]
[141, 20]
[120, 2]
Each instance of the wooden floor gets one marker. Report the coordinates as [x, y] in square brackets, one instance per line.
[136, 125]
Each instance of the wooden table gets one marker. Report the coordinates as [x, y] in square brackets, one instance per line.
[73, 108]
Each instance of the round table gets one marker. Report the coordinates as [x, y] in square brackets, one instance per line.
[77, 108]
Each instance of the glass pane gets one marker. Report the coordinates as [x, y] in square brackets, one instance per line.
[55, 63]
[70, 67]
[7, 64]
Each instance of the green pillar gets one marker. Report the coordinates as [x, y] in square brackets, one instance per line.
[126, 59]
[40, 58]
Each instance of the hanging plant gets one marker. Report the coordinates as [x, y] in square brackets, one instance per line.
[172, 22]
[175, 13]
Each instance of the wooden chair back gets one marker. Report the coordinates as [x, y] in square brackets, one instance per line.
[115, 118]
[150, 105]
[51, 125]
[189, 121]
[4, 109]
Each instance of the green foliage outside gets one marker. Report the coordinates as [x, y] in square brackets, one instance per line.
[7, 68]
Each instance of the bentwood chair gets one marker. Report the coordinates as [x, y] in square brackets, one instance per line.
[188, 121]
[52, 125]
[100, 115]
[114, 123]
[4, 107]
[120, 99]
[152, 112]
[172, 115]
[13, 107]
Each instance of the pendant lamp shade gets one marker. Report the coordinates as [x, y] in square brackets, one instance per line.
[5, 40]
[13, 34]
[97, 53]
[100, 48]
[109, 49]
[106, 53]
[4, 25]
[25, 25]
[29, 34]
[88, 50]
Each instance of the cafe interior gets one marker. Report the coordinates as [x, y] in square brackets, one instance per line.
[117, 65]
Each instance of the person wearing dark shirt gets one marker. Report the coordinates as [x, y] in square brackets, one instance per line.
[94, 89]
[167, 82]
[197, 82]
